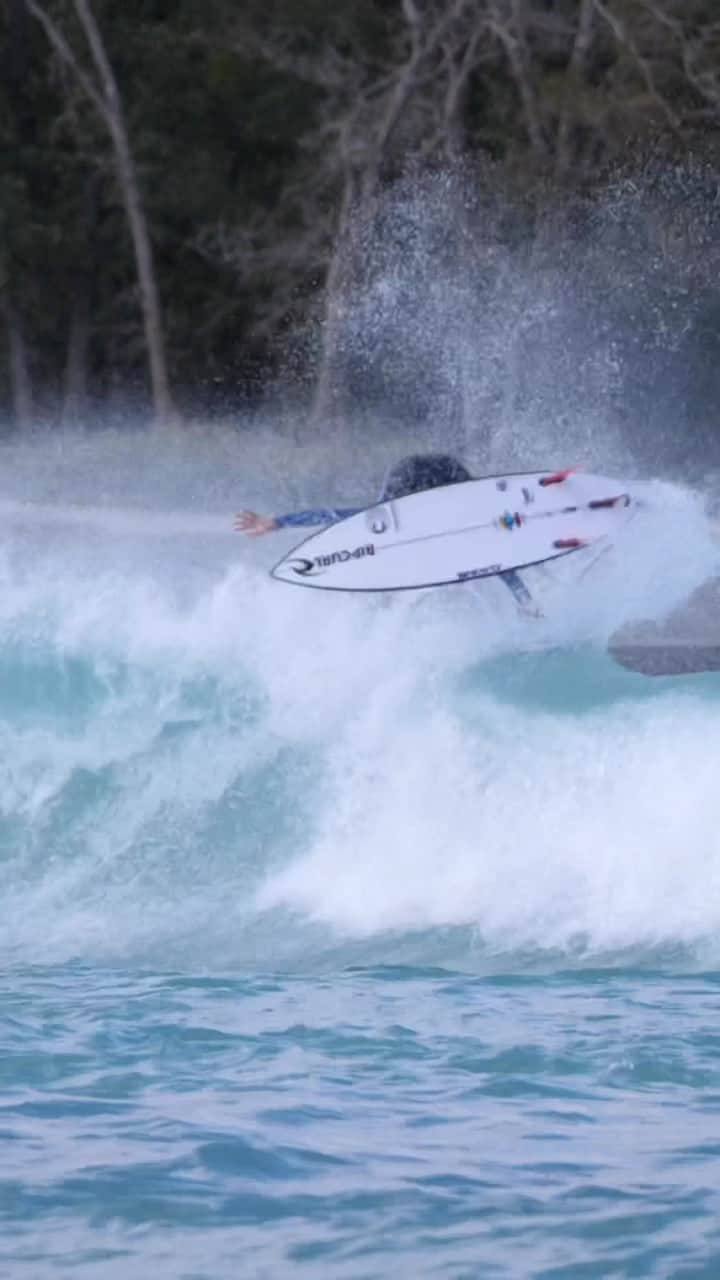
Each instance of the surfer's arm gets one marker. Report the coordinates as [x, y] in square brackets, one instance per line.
[253, 524]
[521, 595]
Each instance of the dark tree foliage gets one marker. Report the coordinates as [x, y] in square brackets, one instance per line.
[266, 136]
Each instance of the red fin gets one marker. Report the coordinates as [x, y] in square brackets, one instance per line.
[557, 477]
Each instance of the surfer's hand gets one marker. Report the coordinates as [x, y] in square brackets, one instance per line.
[251, 523]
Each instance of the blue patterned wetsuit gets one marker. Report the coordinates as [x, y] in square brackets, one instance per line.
[321, 515]
[328, 515]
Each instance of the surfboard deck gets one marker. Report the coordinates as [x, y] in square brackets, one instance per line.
[460, 533]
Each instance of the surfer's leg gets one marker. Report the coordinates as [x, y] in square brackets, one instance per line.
[521, 595]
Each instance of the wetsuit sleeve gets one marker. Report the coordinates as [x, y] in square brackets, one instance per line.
[320, 515]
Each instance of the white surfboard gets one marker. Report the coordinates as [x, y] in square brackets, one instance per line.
[460, 532]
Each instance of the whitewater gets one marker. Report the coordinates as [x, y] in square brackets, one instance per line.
[337, 937]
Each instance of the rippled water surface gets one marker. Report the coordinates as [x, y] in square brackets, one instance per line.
[363, 1123]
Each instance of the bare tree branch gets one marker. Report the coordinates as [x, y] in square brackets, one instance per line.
[626, 41]
[105, 97]
[507, 23]
[575, 72]
[65, 53]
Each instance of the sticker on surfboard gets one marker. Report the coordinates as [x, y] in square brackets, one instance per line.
[460, 532]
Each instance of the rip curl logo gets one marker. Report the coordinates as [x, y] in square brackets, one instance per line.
[306, 568]
[303, 567]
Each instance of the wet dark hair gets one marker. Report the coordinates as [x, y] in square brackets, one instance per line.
[422, 471]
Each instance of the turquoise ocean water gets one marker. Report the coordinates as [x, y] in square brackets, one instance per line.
[345, 939]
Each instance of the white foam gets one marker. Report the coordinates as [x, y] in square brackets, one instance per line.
[540, 831]
[248, 749]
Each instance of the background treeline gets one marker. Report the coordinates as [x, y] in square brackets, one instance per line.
[194, 191]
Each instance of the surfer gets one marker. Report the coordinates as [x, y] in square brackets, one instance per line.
[413, 474]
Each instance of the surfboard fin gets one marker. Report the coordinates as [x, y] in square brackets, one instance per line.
[597, 503]
[557, 477]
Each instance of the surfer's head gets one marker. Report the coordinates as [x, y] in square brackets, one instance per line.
[422, 471]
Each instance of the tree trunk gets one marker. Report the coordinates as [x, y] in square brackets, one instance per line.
[510, 31]
[574, 85]
[75, 383]
[20, 380]
[165, 412]
[75, 400]
[327, 393]
[107, 101]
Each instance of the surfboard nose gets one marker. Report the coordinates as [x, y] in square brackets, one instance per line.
[293, 569]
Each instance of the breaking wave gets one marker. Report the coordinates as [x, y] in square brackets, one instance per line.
[201, 766]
